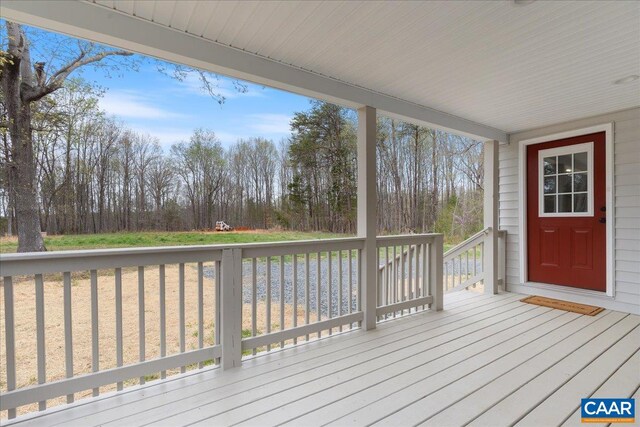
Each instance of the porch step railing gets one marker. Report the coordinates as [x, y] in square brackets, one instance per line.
[464, 264]
[408, 273]
[81, 323]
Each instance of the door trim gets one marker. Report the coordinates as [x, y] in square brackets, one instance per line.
[607, 128]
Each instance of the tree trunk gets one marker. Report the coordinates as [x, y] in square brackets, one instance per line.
[22, 166]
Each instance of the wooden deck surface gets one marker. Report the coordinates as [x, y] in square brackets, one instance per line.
[483, 361]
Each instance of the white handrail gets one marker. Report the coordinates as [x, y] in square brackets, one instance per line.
[465, 245]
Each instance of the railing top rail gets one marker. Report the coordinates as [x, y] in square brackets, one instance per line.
[262, 249]
[356, 241]
[38, 256]
[461, 247]
[407, 239]
[94, 259]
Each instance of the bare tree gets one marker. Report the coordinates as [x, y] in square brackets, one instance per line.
[24, 83]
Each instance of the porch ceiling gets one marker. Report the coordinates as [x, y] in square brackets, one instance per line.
[498, 65]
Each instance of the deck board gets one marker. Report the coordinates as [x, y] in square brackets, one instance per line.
[624, 383]
[488, 360]
[417, 403]
[585, 381]
[529, 385]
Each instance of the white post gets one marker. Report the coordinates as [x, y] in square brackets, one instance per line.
[491, 192]
[436, 285]
[367, 214]
[231, 308]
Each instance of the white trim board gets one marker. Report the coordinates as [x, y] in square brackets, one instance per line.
[104, 25]
[525, 285]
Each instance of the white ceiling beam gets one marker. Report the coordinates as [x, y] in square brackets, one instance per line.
[103, 25]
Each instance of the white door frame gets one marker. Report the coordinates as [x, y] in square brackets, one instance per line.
[522, 212]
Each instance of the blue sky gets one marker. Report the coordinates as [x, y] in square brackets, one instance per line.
[156, 104]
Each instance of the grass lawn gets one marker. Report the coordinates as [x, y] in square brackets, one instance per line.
[142, 239]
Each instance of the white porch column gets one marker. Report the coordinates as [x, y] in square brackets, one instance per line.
[367, 214]
[491, 192]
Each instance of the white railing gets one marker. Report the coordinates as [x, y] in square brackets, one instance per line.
[107, 319]
[299, 290]
[87, 324]
[409, 273]
[464, 264]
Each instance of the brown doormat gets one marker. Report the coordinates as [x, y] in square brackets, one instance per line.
[589, 310]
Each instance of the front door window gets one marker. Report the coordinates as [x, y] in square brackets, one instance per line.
[566, 181]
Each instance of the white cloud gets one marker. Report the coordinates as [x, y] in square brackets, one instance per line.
[270, 123]
[227, 138]
[167, 136]
[134, 105]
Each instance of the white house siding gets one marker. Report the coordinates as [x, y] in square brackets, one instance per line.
[626, 204]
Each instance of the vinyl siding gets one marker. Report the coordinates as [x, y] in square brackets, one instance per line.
[626, 205]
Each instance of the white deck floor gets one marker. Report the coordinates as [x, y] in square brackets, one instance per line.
[484, 360]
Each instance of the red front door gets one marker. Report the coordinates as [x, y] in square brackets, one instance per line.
[566, 202]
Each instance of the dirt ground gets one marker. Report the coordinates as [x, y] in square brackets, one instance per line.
[25, 315]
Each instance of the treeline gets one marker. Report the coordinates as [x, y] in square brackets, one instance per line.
[95, 175]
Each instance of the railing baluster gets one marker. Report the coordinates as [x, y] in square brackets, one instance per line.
[141, 319]
[254, 300]
[425, 270]
[95, 334]
[9, 323]
[295, 293]
[306, 292]
[395, 278]
[40, 338]
[359, 285]
[410, 284]
[163, 318]
[475, 260]
[181, 325]
[387, 279]
[350, 285]
[268, 267]
[455, 271]
[282, 297]
[218, 322]
[68, 330]
[200, 308]
[416, 292]
[402, 275]
[318, 293]
[466, 268]
[379, 283]
[119, 322]
[340, 282]
[329, 288]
